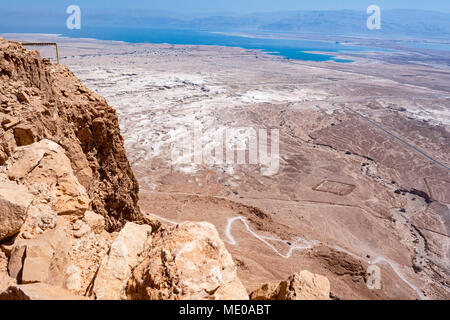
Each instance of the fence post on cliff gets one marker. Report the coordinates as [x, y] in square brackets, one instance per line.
[44, 44]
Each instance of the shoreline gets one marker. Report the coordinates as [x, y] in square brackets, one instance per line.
[329, 56]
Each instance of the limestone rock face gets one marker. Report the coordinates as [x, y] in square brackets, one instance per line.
[46, 170]
[41, 100]
[14, 202]
[116, 267]
[37, 291]
[15, 264]
[41, 259]
[187, 261]
[37, 262]
[300, 286]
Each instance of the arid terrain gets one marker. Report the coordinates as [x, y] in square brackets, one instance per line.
[364, 149]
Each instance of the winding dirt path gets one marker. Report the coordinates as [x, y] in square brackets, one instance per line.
[304, 244]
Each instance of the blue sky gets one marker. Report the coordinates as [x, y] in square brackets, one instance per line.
[227, 6]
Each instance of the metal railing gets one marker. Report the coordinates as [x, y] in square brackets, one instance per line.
[44, 44]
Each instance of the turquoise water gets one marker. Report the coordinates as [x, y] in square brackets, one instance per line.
[289, 49]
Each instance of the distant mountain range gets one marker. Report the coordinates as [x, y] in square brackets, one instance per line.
[395, 23]
[416, 23]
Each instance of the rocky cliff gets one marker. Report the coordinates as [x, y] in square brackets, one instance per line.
[70, 226]
[41, 100]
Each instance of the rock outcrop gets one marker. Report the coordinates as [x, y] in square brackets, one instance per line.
[40, 100]
[14, 202]
[116, 267]
[186, 261]
[47, 172]
[300, 286]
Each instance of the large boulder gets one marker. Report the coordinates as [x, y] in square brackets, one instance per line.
[122, 257]
[47, 171]
[186, 261]
[14, 202]
[43, 258]
[300, 286]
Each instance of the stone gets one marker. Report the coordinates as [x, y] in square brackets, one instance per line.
[24, 135]
[14, 202]
[16, 262]
[23, 97]
[152, 221]
[7, 145]
[6, 247]
[307, 286]
[61, 242]
[68, 155]
[36, 266]
[38, 291]
[87, 253]
[85, 177]
[3, 155]
[80, 229]
[47, 171]
[186, 261]
[5, 281]
[122, 257]
[42, 259]
[300, 286]
[40, 217]
[24, 160]
[9, 122]
[99, 162]
[73, 281]
[95, 221]
[3, 260]
[233, 290]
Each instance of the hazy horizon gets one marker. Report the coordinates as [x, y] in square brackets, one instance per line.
[417, 19]
[207, 7]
